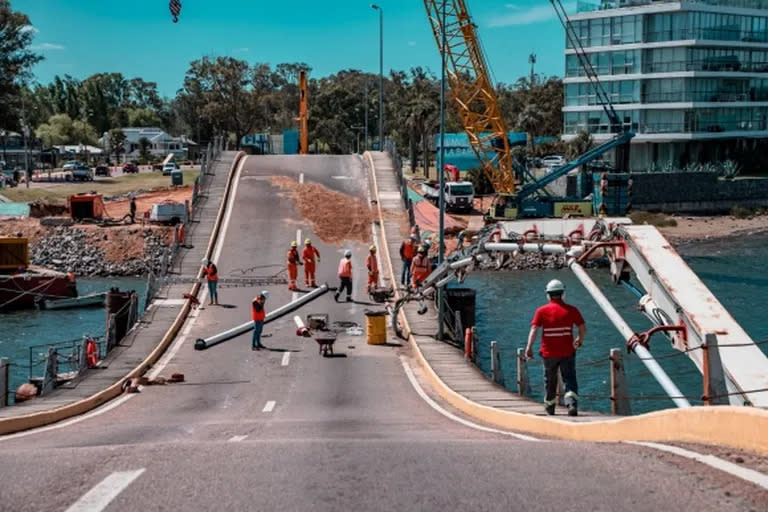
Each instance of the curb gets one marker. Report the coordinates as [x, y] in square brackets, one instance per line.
[737, 427]
[39, 419]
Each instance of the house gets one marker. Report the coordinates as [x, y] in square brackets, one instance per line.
[161, 143]
[12, 150]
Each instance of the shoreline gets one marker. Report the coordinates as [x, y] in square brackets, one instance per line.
[692, 230]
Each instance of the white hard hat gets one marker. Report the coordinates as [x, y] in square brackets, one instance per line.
[264, 293]
[555, 286]
[204, 261]
[347, 253]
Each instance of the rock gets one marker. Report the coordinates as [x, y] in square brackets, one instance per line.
[57, 221]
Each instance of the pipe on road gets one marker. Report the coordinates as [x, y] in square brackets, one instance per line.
[645, 356]
[204, 343]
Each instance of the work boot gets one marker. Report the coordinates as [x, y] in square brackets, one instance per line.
[349, 299]
[550, 409]
[573, 410]
[336, 297]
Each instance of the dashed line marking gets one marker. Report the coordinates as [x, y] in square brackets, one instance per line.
[98, 498]
[301, 177]
[269, 406]
[236, 439]
[286, 359]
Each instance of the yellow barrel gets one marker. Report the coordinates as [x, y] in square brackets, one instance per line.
[376, 327]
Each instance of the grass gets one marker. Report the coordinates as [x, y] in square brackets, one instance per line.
[654, 219]
[106, 186]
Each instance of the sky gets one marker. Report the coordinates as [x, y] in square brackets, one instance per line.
[138, 38]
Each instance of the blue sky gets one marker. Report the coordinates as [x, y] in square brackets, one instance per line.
[137, 37]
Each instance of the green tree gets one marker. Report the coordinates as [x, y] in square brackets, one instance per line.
[144, 147]
[16, 61]
[142, 117]
[579, 145]
[480, 181]
[61, 129]
[529, 120]
[116, 141]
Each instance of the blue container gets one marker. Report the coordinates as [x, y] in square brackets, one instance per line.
[291, 142]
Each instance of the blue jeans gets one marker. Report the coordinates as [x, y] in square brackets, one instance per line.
[257, 328]
[405, 275]
[212, 291]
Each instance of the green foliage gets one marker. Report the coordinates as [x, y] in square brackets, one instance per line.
[480, 181]
[741, 213]
[579, 145]
[729, 169]
[142, 117]
[654, 219]
[144, 149]
[116, 139]
[61, 129]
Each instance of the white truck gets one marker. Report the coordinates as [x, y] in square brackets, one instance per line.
[459, 195]
[168, 212]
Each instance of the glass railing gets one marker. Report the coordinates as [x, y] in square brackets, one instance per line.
[661, 128]
[705, 65]
[716, 34]
[585, 6]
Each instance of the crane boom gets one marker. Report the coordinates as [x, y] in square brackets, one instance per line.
[473, 91]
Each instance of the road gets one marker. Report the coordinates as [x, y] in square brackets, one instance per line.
[286, 429]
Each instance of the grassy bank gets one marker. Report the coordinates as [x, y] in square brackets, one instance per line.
[58, 193]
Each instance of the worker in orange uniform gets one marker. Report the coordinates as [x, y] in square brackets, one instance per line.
[372, 264]
[558, 346]
[293, 265]
[420, 267]
[258, 315]
[407, 252]
[212, 277]
[309, 254]
[345, 275]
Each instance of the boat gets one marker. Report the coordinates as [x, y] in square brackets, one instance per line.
[22, 285]
[84, 301]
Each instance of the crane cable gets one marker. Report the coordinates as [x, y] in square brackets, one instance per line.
[175, 8]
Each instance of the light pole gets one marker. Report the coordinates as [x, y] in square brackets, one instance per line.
[441, 174]
[381, 75]
[365, 101]
[357, 129]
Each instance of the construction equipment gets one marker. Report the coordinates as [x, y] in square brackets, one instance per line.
[303, 135]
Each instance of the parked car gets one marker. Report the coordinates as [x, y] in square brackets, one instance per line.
[81, 173]
[7, 179]
[553, 161]
[169, 168]
[130, 168]
[103, 170]
[71, 165]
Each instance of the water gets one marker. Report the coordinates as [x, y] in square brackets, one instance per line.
[22, 329]
[733, 270]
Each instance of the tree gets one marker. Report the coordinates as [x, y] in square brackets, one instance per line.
[144, 147]
[142, 117]
[579, 145]
[16, 61]
[480, 181]
[61, 129]
[116, 142]
[529, 121]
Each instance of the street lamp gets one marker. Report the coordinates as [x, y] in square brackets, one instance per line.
[358, 129]
[381, 75]
[441, 174]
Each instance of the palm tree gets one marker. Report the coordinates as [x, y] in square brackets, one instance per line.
[529, 121]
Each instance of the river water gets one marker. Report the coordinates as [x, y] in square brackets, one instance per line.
[20, 330]
[734, 270]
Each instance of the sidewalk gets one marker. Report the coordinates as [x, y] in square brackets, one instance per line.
[447, 362]
[157, 320]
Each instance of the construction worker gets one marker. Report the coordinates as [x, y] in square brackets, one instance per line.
[372, 264]
[293, 262]
[558, 346]
[345, 275]
[309, 254]
[407, 252]
[258, 315]
[420, 267]
[212, 277]
[133, 209]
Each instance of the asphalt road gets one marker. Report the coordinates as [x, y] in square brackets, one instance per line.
[286, 429]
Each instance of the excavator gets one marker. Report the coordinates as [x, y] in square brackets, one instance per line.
[520, 193]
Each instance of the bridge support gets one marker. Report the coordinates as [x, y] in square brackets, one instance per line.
[619, 391]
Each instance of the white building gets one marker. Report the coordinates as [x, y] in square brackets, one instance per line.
[161, 143]
[689, 77]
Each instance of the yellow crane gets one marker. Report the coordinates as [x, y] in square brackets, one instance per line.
[473, 91]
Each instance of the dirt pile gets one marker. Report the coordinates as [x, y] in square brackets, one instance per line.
[335, 217]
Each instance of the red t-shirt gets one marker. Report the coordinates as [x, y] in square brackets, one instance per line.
[556, 320]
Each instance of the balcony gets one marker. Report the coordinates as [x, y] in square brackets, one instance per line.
[584, 6]
[696, 126]
[713, 34]
[706, 65]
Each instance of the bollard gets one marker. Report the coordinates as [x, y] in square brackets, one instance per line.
[619, 402]
[468, 344]
[523, 384]
[4, 369]
[713, 376]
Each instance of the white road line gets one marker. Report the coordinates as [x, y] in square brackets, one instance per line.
[286, 359]
[301, 177]
[438, 408]
[750, 475]
[237, 439]
[107, 490]
[269, 406]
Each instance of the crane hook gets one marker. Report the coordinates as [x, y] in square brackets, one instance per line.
[175, 8]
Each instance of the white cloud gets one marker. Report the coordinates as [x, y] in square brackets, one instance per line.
[46, 47]
[242, 49]
[29, 28]
[528, 16]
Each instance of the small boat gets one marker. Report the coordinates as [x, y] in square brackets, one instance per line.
[84, 301]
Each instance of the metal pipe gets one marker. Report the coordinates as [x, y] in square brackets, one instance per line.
[511, 247]
[627, 333]
[204, 343]
[441, 174]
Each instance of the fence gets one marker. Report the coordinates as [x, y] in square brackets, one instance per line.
[391, 147]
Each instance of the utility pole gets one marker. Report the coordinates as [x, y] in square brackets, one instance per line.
[365, 102]
[381, 75]
[441, 174]
[532, 61]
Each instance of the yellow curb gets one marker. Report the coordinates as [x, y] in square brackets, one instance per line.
[744, 428]
[38, 419]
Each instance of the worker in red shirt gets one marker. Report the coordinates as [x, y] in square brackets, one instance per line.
[258, 315]
[345, 275]
[212, 277]
[309, 254]
[372, 264]
[420, 267]
[558, 346]
[407, 252]
[293, 262]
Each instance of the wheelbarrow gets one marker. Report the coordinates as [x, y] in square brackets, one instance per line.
[325, 341]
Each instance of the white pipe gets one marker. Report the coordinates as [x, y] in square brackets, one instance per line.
[509, 247]
[203, 343]
[645, 356]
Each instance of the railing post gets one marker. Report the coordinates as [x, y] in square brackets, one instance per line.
[619, 402]
[51, 370]
[713, 376]
[458, 328]
[4, 381]
[523, 383]
[83, 359]
[496, 363]
[468, 344]
[474, 345]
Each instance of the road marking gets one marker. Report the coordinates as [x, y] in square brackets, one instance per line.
[342, 177]
[269, 406]
[750, 475]
[237, 439]
[301, 177]
[286, 359]
[187, 328]
[438, 408]
[107, 490]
